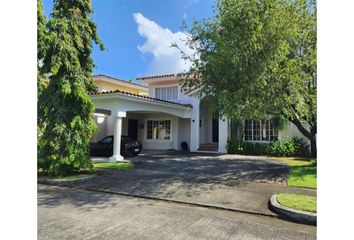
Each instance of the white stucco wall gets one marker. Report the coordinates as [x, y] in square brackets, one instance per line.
[183, 132]
[101, 121]
[223, 134]
[183, 98]
[290, 131]
[194, 125]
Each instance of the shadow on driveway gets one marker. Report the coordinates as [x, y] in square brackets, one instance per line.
[56, 196]
[230, 181]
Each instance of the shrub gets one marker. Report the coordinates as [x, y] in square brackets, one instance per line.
[292, 147]
[277, 149]
[288, 148]
[235, 146]
[301, 147]
[254, 148]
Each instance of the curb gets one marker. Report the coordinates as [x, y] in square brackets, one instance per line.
[165, 200]
[55, 181]
[293, 214]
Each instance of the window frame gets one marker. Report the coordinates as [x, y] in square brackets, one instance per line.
[163, 90]
[275, 134]
[158, 140]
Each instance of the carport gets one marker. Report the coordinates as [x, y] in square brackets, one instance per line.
[121, 112]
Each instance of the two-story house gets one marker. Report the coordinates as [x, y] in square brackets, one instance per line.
[168, 116]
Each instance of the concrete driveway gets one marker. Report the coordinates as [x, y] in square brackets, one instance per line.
[227, 181]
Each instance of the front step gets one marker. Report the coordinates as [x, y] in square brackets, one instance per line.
[208, 147]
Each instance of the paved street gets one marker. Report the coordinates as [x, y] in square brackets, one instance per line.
[65, 213]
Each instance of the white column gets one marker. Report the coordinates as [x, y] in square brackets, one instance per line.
[194, 134]
[223, 134]
[117, 118]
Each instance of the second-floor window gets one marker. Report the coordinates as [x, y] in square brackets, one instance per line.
[167, 93]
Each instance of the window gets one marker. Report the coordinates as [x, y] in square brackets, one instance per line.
[167, 93]
[159, 129]
[260, 130]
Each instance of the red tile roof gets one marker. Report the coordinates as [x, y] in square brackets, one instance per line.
[160, 76]
[117, 79]
[143, 97]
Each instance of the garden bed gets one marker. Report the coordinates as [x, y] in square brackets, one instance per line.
[299, 202]
[114, 165]
[292, 213]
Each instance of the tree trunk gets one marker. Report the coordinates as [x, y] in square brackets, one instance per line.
[311, 135]
[313, 148]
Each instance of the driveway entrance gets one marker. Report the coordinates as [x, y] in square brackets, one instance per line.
[227, 181]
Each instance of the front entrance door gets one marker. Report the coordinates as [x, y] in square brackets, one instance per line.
[133, 129]
[215, 126]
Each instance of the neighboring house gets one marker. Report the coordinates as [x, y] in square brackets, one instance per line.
[108, 83]
[167, 117]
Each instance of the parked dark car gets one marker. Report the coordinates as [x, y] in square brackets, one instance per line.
[104, 147]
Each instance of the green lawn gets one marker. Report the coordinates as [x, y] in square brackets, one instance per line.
[299, 202]
[117, 165]
[303, 172]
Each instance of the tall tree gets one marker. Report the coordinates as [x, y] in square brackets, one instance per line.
[258, 57]
[42, 44]
[64, 105]
[42, 38]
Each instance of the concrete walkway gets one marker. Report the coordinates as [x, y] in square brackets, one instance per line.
[65, 213]
[228, 181]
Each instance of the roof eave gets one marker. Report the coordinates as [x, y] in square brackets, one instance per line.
[139, 98]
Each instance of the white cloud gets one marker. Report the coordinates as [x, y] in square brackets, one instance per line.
[158, 40]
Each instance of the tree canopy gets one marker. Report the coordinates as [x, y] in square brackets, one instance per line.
[258, 58]
[65, 111]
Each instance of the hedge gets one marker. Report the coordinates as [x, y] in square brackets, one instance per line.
[292, 147]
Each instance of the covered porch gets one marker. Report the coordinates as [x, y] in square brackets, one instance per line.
[156, 124]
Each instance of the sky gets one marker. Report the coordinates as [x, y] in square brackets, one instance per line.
[138, 34]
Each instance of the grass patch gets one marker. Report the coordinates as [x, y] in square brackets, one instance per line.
[116, 165]
[303, 172]
[299, 202]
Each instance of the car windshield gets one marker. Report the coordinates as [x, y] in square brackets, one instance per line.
[107, 140]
